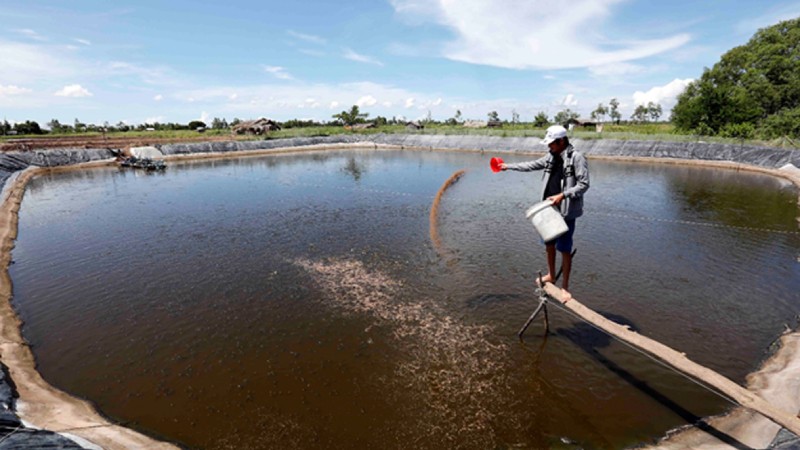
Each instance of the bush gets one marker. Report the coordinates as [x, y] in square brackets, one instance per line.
[785, 122]
[738, 130]
[703, 130]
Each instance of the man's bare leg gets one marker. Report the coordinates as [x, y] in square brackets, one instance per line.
[566, 264]
[551, 264]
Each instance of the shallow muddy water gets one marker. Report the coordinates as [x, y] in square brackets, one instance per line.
[298, 301]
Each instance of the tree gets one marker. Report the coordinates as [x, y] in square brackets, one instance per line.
[455, 120]
[493, 116]
[750, 84]
[563, 117]
[541, 120]
[5, 127]
[195, 124]
[614, 111]
[55, 126]
[600, 112]
[514, 116]
[640, 114]
[219, 124]
[28, 127]
[79, 126]
[351, 117]
[654, 110]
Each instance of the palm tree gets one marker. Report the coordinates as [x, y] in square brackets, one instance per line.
[351, 117]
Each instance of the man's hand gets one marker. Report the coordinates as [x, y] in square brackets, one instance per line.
[503, 166]
[556, 199]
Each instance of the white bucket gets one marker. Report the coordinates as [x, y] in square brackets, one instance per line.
[547, 220]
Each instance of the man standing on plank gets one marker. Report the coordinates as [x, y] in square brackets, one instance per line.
[565, 180]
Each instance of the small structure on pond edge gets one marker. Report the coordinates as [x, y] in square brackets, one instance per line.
[259, 126]
[148, 158]
[360, 126]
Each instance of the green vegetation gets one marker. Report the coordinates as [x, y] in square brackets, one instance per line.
[660, 131]
[351, 117]
[752, 92]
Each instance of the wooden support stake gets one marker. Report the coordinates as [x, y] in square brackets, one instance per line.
[680, 362]
[542, 304]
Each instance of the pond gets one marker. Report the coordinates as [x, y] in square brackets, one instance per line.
[298, 300]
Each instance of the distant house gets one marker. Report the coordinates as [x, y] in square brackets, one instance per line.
[360, 126]
[475, 124]
[414, 125]
[585, 123]
[259, 126]
[494, 124]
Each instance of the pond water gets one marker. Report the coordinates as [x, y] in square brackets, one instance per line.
[298, 300]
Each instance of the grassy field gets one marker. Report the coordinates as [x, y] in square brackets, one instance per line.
[656, 131]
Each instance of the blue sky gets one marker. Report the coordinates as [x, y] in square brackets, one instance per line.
[145, 61]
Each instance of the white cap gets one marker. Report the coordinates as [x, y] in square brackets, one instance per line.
[553, 133]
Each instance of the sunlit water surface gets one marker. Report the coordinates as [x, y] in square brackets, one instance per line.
[297, 301]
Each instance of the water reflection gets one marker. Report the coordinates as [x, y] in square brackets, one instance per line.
[353, 168]
[301, 295]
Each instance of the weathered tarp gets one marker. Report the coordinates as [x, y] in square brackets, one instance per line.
[772, 158]
[11, 162]
[146, 152]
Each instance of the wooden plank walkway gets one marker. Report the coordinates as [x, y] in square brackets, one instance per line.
[679, 362]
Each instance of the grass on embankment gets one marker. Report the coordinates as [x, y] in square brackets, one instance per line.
[647, 131]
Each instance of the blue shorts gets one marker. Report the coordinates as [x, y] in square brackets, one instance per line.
[564, 242]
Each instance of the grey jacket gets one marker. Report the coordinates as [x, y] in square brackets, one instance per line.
[576, 178]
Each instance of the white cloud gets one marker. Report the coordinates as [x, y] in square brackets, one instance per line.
[26, 63]
[334, 105]
[155, 119]
[616, 69]
[531, 34]
[146, 74]
[568, 100]
[204, 117]
[27, 32]
[366, 100]
[278, 72]
[409, 102]
[353, 56]
[82, 41]
[73, 90]
[12, 90]
[307, 37]
[666, 95]
[387, 104]
[158, 97]
[233, 96]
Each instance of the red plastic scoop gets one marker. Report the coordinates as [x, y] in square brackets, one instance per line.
[495, 164]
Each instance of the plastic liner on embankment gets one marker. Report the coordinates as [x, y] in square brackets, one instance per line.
[763, 157]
